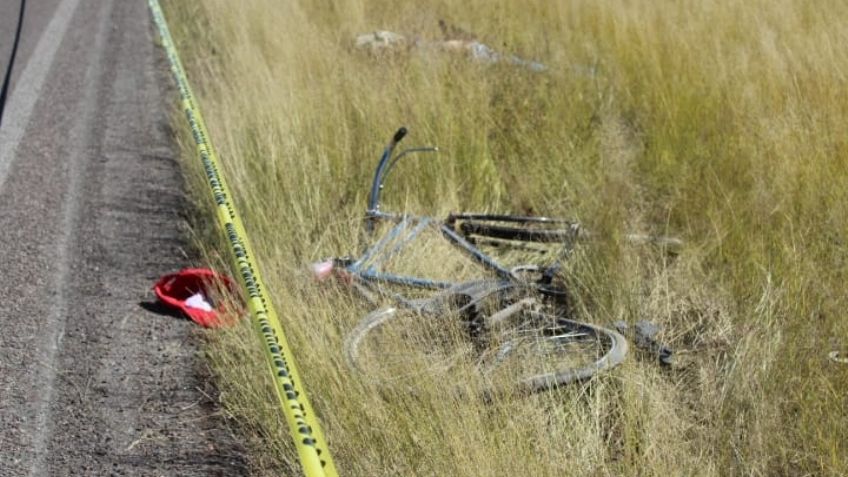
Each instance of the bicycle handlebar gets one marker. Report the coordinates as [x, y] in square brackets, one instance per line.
[399, 135]
[374, 197]
[385, 166]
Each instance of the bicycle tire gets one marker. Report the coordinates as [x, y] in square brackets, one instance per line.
[610, 348]
[576, 351]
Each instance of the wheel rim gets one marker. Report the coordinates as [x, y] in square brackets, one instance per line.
[554, 354]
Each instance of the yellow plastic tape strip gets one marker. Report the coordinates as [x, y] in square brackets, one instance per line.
[303, 425]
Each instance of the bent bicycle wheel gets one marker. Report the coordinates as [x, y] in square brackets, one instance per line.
[401, 346]
[542, 352]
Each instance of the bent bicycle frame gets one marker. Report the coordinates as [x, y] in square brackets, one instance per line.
[408, 227]
[510, 288]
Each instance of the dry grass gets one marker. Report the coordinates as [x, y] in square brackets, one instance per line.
[725, 123]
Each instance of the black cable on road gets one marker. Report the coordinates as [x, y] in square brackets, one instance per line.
[8, 77]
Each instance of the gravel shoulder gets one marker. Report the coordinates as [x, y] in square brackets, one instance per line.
[91, 382]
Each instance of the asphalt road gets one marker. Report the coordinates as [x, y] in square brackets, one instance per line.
[91, 207]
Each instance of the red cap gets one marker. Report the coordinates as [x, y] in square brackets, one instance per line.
[189, 291]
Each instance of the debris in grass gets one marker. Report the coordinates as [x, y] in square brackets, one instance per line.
[455, 40]
[380, 40]
[838, 357]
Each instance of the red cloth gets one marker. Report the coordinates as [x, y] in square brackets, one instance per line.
[176, 288]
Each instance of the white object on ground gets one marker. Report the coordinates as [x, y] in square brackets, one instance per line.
[381, 40]
[199, 301]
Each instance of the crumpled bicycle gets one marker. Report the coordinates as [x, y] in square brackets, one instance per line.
[515, 324]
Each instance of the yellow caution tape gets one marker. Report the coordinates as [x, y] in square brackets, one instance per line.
[303, 425]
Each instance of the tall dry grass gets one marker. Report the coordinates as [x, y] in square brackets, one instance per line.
[723, 122]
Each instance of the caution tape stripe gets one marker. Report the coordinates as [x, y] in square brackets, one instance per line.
[303, 425]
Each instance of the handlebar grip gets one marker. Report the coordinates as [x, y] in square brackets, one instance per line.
[399, 135]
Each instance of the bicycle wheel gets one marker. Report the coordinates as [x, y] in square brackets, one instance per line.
[541, 351]
[399, 346]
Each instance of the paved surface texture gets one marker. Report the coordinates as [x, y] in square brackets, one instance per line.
[91, 383]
